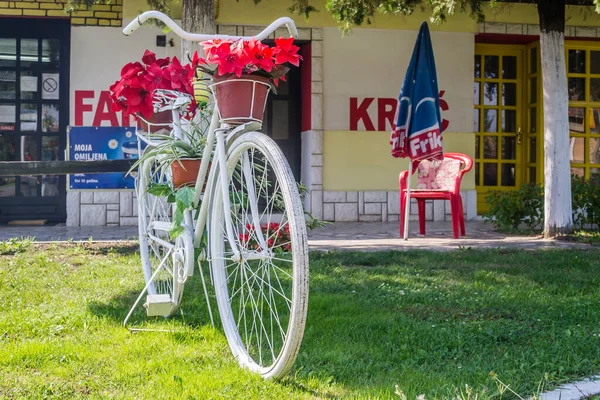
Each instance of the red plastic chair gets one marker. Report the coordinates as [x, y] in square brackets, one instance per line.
[437, 181]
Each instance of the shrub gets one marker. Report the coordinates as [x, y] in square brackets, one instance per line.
[513, 210]
[508, 210]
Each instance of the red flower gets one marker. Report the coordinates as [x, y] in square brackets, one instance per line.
[154, 75]
[260, 55]
[148, 57]
[175, 73]
[287, 52]
[210, 46]
[230, 61]
[132, 94]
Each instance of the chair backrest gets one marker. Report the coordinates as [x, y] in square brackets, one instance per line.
[445, 174]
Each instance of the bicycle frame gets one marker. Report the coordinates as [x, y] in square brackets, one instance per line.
[221, 133]
[217, 140]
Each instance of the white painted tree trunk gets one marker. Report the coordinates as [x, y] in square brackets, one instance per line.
[557, 169]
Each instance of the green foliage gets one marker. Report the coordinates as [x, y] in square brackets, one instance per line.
[167, 149]
[356, 12]
[511, 210]
[508, 210]
[15, 246]
[183, 199]
[586, 201]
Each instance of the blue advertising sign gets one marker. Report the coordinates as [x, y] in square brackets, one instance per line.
[102, 143]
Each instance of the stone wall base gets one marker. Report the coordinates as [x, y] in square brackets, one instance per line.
[384, 206]
[106, 208]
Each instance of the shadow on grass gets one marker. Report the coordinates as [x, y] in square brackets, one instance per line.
[193, 312]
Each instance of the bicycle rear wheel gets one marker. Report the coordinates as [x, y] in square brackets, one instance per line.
[165, 261]
[262, 295]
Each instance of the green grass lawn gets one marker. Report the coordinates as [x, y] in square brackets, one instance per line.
[423, 322]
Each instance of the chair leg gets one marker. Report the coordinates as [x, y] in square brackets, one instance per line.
[421, 205]
[402, 213]
[454, 207]
[462, 217]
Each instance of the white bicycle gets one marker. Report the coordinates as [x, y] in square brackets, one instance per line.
[247, 201]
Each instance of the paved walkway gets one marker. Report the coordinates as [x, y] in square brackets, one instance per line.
[363, 236]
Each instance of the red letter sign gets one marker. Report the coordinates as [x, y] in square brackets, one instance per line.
[360, 112]
[386, 110]
[80, 108]
[109, 115]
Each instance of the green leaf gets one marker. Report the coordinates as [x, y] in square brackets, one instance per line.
[158, 189]
[171, 197]
[175, 231]
[185, 197]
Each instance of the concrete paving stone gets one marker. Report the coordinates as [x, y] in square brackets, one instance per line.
[328, 212]
[330, 196]
[106, 197]
[125, 203]
[112, 217]
[373, 209]
[360, 236]
[93, 214]
[346, 212]
[352, 197]
[87, 197]
[129, 221]
[73, 202]
[375, 197]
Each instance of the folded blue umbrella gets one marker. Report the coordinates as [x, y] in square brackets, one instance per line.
[417, 133]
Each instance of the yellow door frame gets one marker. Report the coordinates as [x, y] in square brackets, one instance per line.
[484, 162]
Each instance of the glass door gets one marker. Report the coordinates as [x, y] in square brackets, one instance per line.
[498, 119]
[583, 78]
[534, 140]
[34, 100]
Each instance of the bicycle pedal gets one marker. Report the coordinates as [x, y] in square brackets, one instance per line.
[158, 305]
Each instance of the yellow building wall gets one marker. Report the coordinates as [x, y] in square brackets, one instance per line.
[107, 14]
[244, 12]
[359, 160]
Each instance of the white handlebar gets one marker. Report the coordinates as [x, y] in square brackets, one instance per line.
[199, 37]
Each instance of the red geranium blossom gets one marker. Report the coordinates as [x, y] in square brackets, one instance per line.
[251, 57]
[287, 52]
[230, 61]
[210, 46]
[132, 94]
[260, 55]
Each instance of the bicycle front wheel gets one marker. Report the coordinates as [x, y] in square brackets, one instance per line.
[262, 291]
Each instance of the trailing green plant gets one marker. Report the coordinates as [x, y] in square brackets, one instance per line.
[168, 149]
[510, 210]
[183, 198]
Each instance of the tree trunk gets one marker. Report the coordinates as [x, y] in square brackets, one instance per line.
[197, 16]
[558, 217]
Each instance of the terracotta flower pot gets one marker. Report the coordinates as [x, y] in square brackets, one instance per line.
[163, 118]
[242, 99]
[187, 174]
